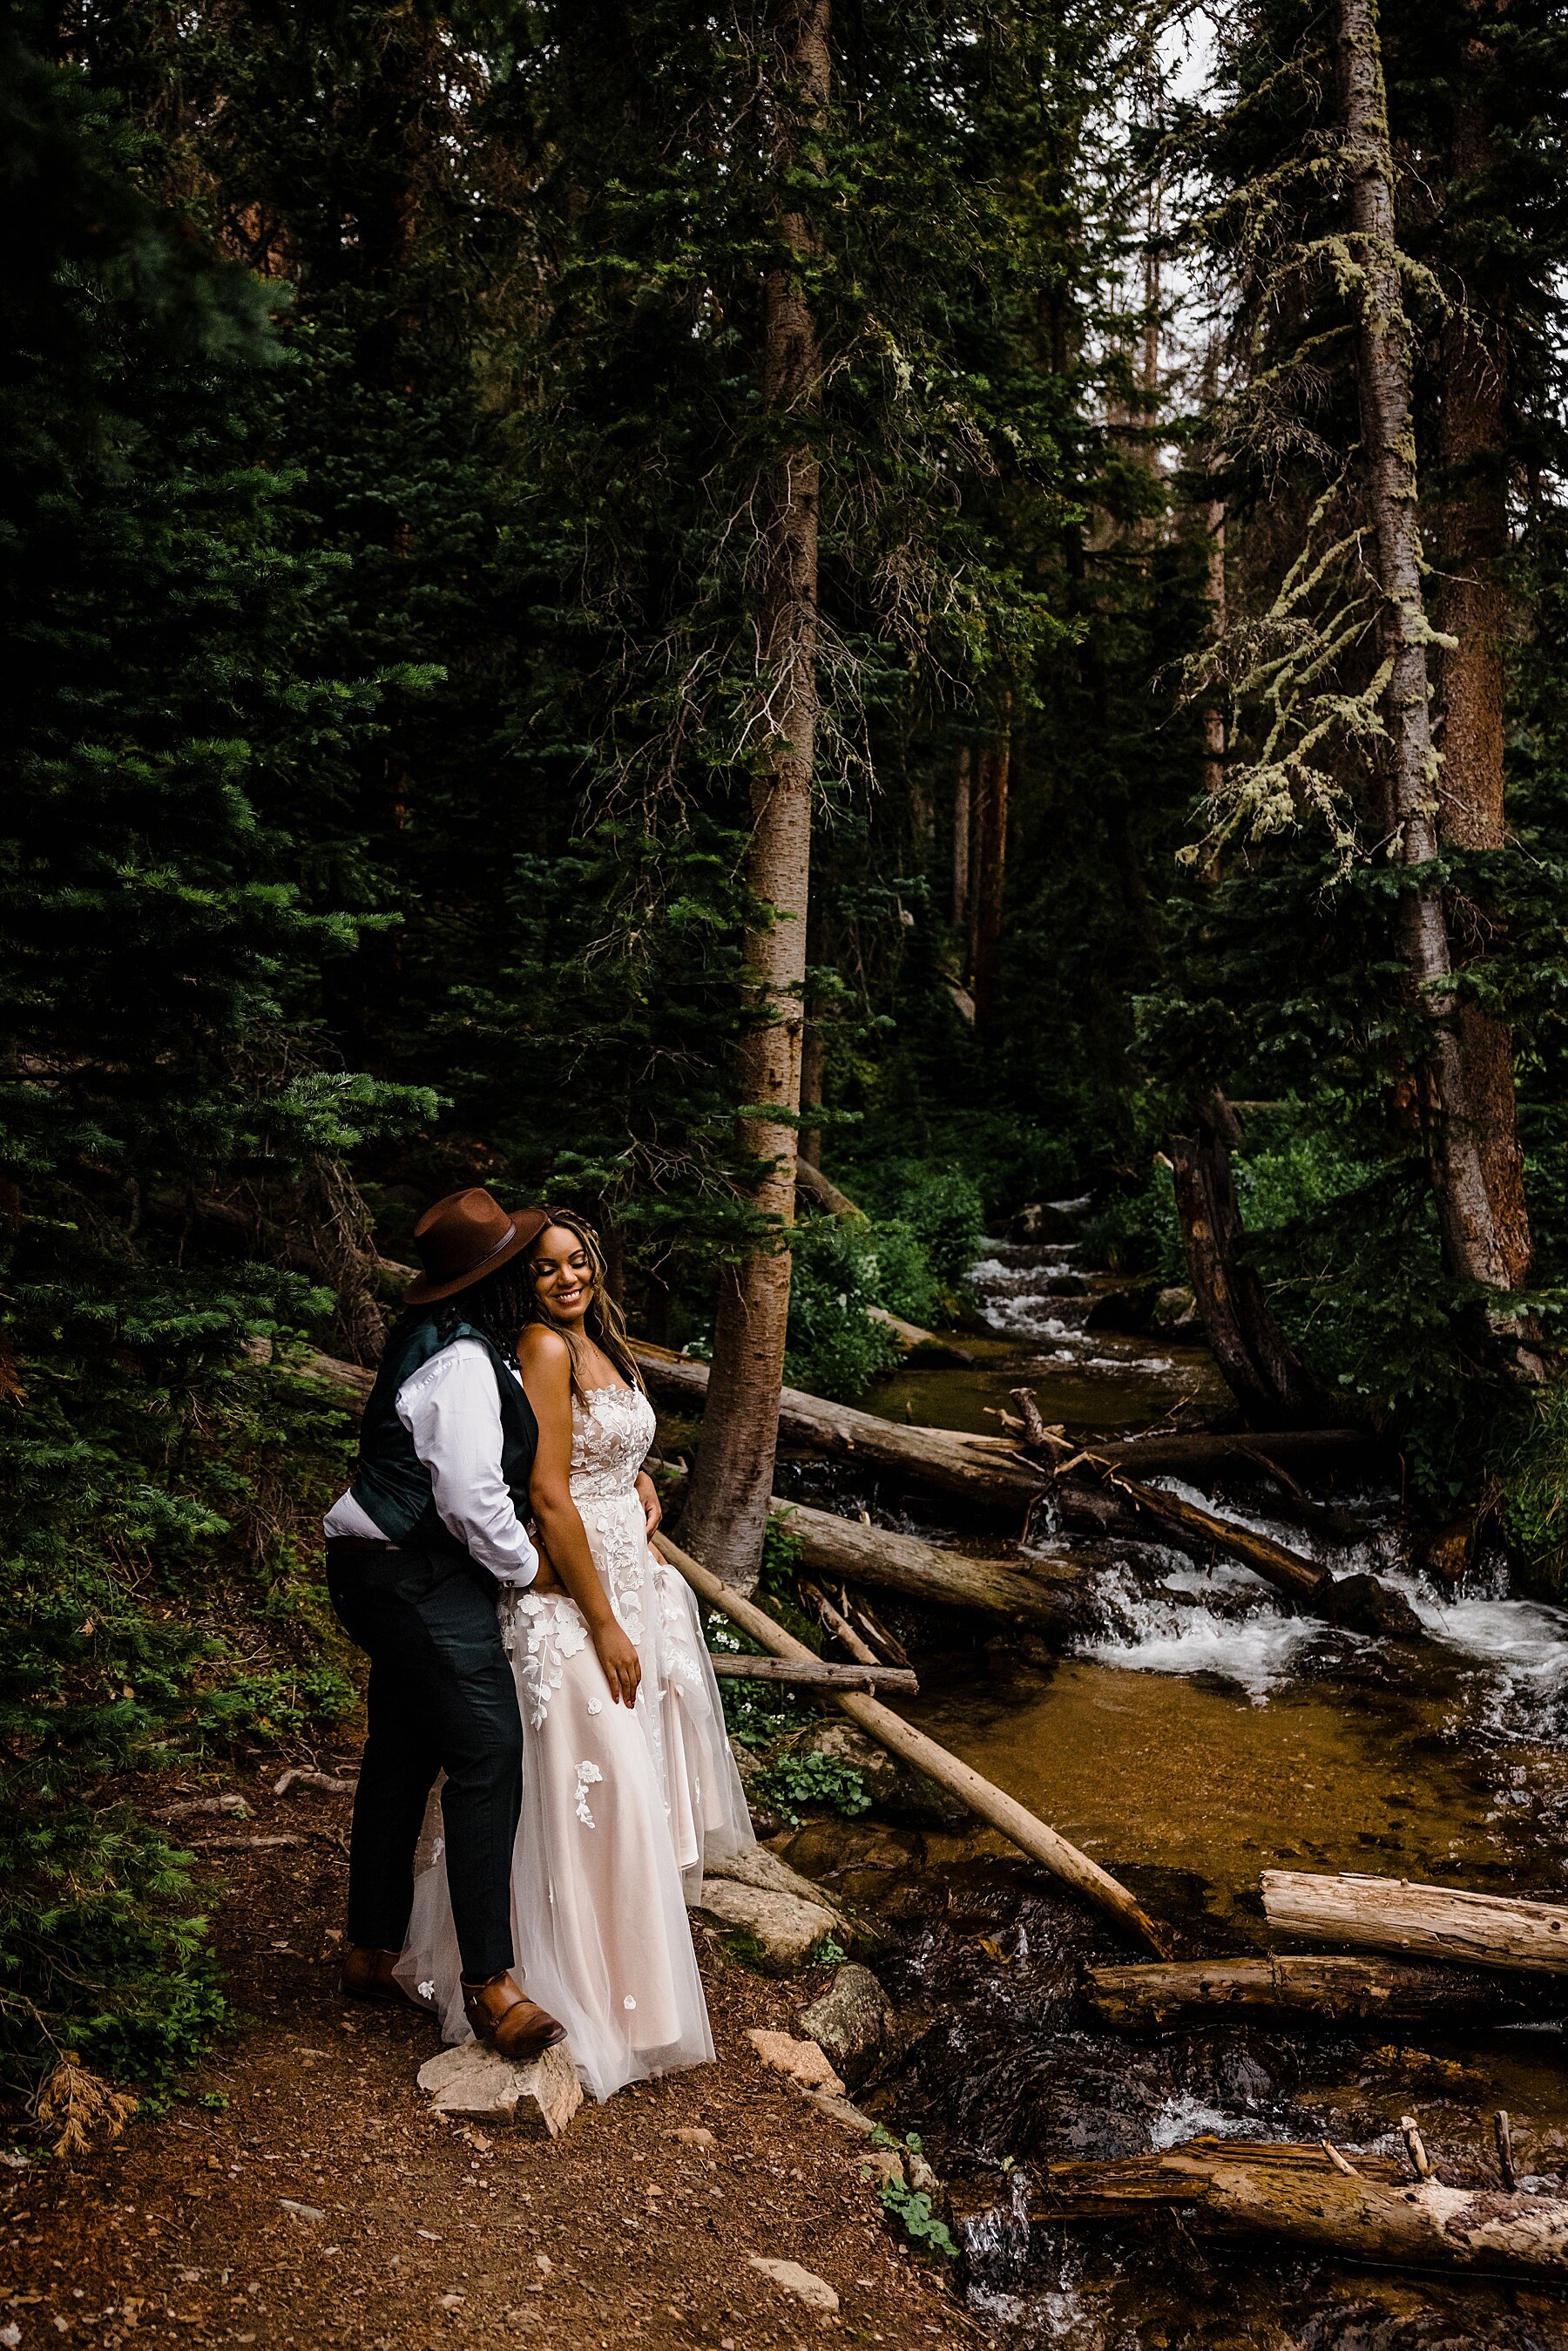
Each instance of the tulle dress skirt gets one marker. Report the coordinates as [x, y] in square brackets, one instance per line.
[621, 1807]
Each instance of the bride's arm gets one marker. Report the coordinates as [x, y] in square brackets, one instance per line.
[547, 1378]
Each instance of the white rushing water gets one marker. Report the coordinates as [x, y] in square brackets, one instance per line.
[1181, 1627]
[1023, 1289]
[1225, 1621]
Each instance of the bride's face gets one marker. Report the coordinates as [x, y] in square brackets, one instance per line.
[563, 1274]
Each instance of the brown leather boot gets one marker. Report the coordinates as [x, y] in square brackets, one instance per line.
[367, 1975]
[501, 2013]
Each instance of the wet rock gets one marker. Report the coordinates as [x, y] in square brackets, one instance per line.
[805, 2284]
[473, 2084]
[1365, 1603]
[896, 1792]
[1175, 1309]
[850, 2021]
[1128, 1310]
[802, 2062]
[1042, 1221]
[1242, 2081]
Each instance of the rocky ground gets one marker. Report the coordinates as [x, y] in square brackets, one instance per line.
[302, 2192]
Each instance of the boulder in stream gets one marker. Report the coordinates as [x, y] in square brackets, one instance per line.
[850, 2023]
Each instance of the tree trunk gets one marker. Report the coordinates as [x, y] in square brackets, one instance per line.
[1439, 1922]
[726, 1512]
[1359, 2208]
[811, 1058]
[990, 879]
[1472, 526]
[1325, 1989]
[1260, 1367]
[1473, 1246]
[963, 821]
[1213, 714]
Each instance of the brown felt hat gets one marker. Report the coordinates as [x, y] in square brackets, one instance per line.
[466, 1236]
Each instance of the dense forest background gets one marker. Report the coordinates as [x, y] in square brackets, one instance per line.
[425, 430]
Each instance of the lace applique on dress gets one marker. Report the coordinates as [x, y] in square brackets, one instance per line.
[588, 1776]
[546, 1631]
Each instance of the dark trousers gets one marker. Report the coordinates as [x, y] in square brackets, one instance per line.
[442, 1698]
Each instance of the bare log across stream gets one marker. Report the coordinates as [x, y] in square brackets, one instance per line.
[1360, 2207]
[1322, 1986]
[980, 1469]
[815, 1673]
[1021, 1590]
[1359, 1600]
[1441, 1922]
[987, 1469]
[991, 1804]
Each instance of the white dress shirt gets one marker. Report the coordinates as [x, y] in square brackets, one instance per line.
[450, 1408]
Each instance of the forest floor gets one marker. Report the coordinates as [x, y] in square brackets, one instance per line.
[434, 2233]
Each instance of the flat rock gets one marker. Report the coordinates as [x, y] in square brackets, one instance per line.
[784, 1929]
[850, 2021]
[802, 2061]
[472, 2084]
[759, 1867]
[805, 2284]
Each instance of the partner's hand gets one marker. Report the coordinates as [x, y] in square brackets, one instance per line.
[652, 1508]
[616, 1655]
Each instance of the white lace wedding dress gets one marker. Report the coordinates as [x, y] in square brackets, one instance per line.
[621, 1809]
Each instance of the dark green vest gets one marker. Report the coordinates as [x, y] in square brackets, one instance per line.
[392, 1482]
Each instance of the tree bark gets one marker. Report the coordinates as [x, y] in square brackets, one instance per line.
[992, 1804]
[1359, 2207]
[726, 1512]
[815, 1673]
[1011, 1587]
[1472, 528]
[1324, 1988]
[963, 821]
[1473, 1246]
[1439, 1922]
[990, 889]
[1260, 1366]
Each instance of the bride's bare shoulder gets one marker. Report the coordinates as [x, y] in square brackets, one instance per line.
[541, 1350]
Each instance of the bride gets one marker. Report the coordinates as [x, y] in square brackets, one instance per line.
[623, 1796]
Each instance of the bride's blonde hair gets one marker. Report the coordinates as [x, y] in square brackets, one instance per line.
[603, 1322]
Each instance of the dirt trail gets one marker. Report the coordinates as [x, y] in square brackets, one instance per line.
[434, 2233]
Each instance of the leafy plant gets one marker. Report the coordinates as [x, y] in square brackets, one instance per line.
[814, 1779]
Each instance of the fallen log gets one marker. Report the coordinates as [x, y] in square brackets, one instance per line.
[1358, 2207]
[817, 1673]
[992, 1804]
[1362, 1601]
[1441, 1922]
[1012, 1587]
[980, 1469]
[1312, 1986]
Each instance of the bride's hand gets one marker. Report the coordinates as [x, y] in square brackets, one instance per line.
[618, 1656]
[652, 1508]
[545, 1577]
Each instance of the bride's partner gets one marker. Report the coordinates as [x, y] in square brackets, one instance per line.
[430, 1534]
[622, 1802]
